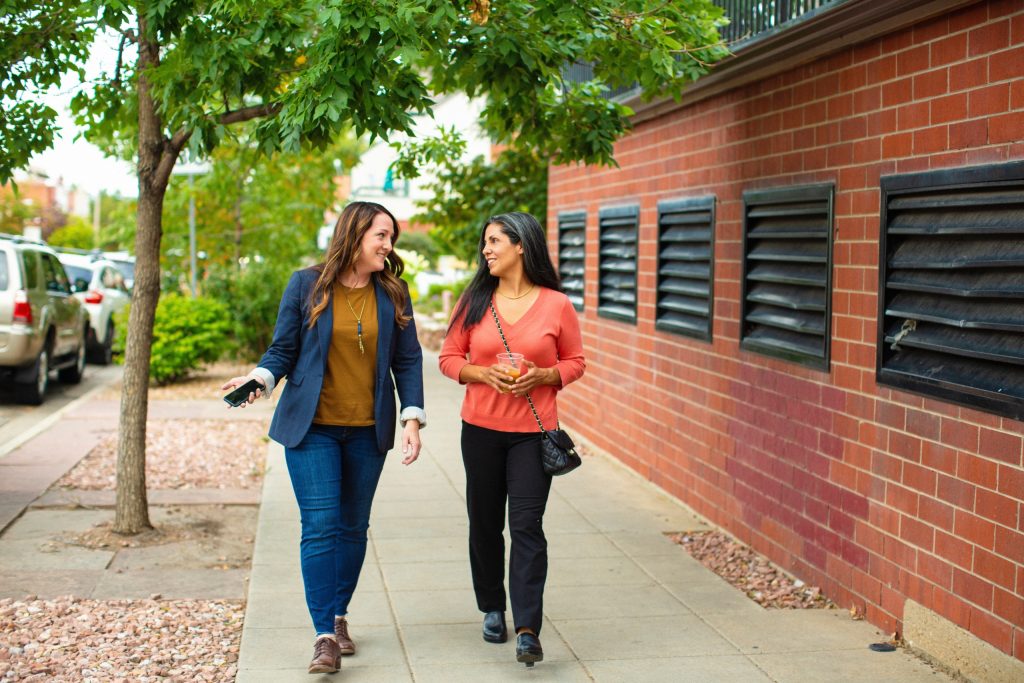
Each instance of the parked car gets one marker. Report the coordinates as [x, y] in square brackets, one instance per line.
[125, 263]
[43, 326]
[101, 288]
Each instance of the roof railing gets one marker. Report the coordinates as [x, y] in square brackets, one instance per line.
[751, 20]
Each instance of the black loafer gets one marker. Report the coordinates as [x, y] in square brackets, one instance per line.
[528, 649]
[494, 627]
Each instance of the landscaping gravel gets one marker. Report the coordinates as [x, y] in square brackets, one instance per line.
[759, 579]
[183, 454]
[86, 641]
[204, 384]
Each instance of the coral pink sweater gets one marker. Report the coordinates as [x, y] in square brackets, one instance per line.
[548, 334]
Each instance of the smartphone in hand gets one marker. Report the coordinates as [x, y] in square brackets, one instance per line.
[240, 395]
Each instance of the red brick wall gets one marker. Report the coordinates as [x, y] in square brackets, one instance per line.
[875, 494]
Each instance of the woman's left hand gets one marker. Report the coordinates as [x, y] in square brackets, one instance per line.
[411, 442]
[535, 377]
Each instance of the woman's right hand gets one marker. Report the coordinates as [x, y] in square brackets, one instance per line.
[495, 376]
[235, 382]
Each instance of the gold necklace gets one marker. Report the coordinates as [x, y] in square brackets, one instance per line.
[513, 298]
[359, 320]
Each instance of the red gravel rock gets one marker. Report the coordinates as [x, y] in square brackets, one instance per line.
[759, 579]
[183, 454]
[70, 639]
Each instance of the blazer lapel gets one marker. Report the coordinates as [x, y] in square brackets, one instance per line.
[385, 325]
[324, 328]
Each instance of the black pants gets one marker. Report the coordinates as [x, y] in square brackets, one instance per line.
[504, 466]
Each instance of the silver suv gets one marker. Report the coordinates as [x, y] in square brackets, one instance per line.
[42, 326]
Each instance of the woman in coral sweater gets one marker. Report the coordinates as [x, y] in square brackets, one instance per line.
[515, 282]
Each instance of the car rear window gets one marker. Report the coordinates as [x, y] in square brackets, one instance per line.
[77, 273]
[4, 279]
[127, 268]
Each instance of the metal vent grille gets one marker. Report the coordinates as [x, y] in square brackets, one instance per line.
[787, 273]
[951, 277]
[686, 266]
[572, 239]
[617, 257]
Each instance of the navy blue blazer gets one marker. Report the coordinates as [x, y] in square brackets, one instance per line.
[299, 353]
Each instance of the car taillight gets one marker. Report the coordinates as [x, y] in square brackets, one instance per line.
[93, 297]
[22, 309]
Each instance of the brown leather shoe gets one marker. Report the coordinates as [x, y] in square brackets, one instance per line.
[345, 644]
[326, 657]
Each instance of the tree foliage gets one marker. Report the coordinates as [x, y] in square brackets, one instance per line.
[253, 205]
[543, 116]
[14, 213]
[464, 195]
[76, 234]
[303, 71]
[117, 222]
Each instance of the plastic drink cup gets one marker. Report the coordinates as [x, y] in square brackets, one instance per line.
[511, 364]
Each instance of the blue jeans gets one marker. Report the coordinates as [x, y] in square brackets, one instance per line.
[334, 473]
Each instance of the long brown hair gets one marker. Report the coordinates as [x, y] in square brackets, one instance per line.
[342, 254]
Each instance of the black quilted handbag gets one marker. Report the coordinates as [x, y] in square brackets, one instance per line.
[557, 451]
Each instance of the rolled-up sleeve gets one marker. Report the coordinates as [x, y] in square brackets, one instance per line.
[407, 369]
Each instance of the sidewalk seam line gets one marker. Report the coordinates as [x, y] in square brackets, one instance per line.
[391, 608]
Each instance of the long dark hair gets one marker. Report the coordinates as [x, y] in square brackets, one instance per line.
[342, 254]
[520, 228]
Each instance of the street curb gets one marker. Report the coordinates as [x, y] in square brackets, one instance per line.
[45, 423]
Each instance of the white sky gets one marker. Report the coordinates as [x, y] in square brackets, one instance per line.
[79, 163]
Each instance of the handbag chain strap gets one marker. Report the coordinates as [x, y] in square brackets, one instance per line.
[504, 341]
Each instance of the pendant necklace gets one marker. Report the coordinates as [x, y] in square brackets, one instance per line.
[359, 320]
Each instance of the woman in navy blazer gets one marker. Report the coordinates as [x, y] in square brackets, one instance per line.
[336, 417]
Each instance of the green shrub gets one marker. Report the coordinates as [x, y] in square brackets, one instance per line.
[120, 332]
[422, 243]
[187, 333]
[77, 234]
[252, 296]
[432, 303]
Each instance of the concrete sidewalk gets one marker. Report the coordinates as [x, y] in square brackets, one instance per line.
[623, 603]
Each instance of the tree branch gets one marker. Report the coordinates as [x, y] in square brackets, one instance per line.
[249, 113]
[171, 152]
[173, 147]
[120, 55]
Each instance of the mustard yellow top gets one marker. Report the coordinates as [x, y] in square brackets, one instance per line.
[347, 395]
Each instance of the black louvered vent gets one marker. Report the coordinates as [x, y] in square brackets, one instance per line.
[951, 278]
[787, 273]
[617, 262]
[685, 266]
[572, 240]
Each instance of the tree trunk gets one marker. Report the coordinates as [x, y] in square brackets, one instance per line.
[132, 511]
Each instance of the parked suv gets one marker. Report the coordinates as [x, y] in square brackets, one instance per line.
[42, 325]
[125, 263]
[101, 288]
